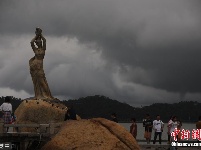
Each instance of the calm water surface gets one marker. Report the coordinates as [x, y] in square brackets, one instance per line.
[140, 131]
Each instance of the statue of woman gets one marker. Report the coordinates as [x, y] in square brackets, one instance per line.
[41, 87]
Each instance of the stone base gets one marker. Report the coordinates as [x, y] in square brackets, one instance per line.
[40, 112]
[93, 134]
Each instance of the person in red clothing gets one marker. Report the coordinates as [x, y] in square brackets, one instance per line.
[133, 128]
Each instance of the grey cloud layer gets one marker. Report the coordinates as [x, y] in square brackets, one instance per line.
[154, 43]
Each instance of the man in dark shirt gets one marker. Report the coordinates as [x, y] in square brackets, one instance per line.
[148, 124]
[114, 117]
[70, 114]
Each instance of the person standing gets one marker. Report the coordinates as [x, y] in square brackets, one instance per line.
[70, 114]
[133, 128]
[114, 117]
[148, 124]
[179, 124]
[168, 127]
[198, 124]
[144, 120]
[173, 125]
[6, 108]
[158, 126]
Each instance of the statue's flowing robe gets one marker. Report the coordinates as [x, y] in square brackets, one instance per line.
[41, 87]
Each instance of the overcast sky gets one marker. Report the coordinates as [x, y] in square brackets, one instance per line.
[135, 51]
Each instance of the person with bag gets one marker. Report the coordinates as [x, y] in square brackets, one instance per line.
[148, 124]
[158, 126]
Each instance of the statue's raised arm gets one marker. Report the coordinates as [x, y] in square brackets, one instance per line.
[44, 42]
[39, 40]
[32, 43]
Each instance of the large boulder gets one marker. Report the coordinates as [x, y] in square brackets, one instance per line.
[93, 134]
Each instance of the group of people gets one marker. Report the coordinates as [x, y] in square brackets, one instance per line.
[158, 126]
[173, 124]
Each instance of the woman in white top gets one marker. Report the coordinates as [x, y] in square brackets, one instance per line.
[173, 125]
[6, 108]
[169, 127]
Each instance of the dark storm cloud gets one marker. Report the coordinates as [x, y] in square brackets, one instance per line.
[154, 44]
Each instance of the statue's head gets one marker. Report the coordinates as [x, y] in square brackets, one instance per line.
[38, 31]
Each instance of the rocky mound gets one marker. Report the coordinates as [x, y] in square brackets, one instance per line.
[93, 134]
[40, 111]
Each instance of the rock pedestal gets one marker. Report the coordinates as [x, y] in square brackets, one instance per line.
[93, 134]
[40, 112]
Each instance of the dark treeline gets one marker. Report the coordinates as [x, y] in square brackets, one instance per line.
[101, 106]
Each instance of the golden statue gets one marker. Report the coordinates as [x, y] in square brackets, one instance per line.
[41, 87]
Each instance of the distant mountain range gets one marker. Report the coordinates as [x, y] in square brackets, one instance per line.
[101, 106]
